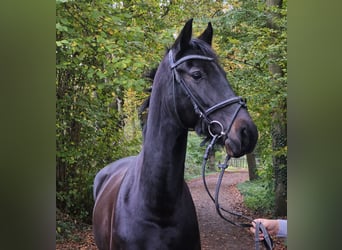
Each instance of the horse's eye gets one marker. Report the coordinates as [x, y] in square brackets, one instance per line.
[196, 75]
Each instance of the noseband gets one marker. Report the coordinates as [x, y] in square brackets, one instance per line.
[204, 115]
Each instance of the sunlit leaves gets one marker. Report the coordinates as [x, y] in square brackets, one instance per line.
[252, 47]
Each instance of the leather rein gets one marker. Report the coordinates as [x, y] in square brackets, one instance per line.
[204, 115]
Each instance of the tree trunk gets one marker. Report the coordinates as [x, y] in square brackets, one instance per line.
[279, 141]
[252, 166]
[279, 134]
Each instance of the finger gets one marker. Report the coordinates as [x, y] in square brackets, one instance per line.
[252, 228]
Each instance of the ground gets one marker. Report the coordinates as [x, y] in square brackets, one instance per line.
[216, 234]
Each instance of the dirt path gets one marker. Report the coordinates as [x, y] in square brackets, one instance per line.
[216, 234]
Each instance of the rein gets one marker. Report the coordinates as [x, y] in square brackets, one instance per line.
[204, 114]
[223, 167]
[259, 227]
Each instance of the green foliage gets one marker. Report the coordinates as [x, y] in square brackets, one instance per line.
[100, 54]
[258, 195]
[252, 39]
[66, 227]
[194, 157]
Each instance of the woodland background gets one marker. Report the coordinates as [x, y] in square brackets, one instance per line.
[103, 50]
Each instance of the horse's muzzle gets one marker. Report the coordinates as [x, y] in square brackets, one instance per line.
[242, 138]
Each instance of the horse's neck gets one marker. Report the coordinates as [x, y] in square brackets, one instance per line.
[162, 173]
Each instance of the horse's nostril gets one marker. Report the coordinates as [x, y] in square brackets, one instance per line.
[244, 131]
[249, 137]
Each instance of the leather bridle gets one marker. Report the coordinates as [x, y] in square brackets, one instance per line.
[204, 115]
[198, 107]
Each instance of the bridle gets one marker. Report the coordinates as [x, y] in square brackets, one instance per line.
[204, 115]
[198, 107]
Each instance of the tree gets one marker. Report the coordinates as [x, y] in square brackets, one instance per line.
[253, 40]
[252, 167]
[278, 128]
[100, 54]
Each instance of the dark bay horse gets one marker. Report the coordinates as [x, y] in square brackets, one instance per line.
[143, 202]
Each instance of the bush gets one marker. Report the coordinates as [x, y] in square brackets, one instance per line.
[66, 227]
[258, 195]
[194, 157]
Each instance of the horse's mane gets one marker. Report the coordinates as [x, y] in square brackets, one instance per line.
[143, 109]
[195, 44]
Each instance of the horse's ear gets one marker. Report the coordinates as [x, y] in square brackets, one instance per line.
[183, 40]
[207, 35]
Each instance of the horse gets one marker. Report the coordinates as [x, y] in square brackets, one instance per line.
[143, 201]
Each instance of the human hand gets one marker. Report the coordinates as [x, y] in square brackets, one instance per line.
[272, 227]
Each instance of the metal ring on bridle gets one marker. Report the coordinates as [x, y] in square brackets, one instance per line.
[222, 129]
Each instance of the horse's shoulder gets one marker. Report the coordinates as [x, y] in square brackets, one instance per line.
[113, 171]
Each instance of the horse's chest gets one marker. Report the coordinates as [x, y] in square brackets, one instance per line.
[138, 225]
[149, 235]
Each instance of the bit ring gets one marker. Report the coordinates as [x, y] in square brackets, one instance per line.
[220, 125]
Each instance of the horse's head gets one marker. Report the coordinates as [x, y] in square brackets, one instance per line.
[202, 97]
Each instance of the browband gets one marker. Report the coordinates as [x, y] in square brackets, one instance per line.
[174, 64]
